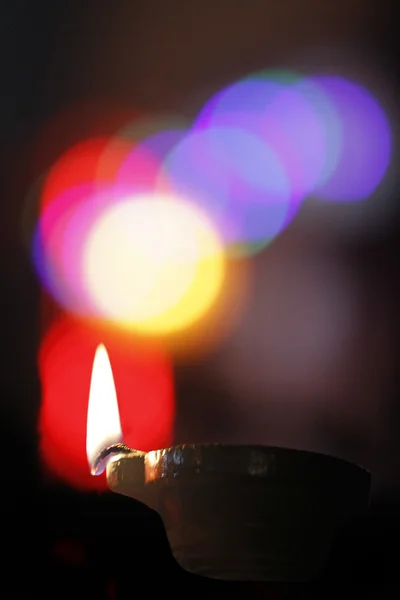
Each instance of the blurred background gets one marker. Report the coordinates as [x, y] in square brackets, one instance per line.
[302, 348]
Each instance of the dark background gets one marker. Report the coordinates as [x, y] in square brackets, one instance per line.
[169, 55]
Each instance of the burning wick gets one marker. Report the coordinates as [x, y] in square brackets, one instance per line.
[107, 455]
[104, 441]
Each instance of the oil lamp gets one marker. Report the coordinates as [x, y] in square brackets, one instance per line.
[232, 512]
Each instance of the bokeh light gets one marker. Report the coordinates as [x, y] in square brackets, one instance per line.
[331, 135]
[59, 240]
[141, 170]
[88, 162]
[153, 264]
[137, 228]
[150, 139]
[274, 107]
[237, 179]
[144, 384]
[365, 148]
[82, 164]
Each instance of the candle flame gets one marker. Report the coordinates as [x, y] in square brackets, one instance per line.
[103, 421]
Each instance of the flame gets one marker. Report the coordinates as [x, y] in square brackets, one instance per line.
[103, 421]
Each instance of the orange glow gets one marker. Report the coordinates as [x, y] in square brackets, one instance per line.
[144, 384]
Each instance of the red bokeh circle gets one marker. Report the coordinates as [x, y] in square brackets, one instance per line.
[144, 383]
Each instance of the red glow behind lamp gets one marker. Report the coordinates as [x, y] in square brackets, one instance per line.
[143, 377]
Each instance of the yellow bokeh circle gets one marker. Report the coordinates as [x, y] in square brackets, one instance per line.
[153, 263]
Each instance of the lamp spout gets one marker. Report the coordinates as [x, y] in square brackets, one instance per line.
[126, 476]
